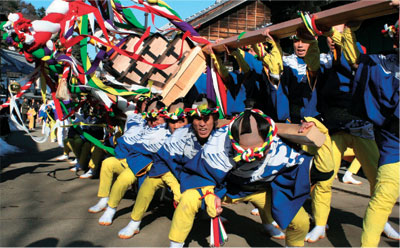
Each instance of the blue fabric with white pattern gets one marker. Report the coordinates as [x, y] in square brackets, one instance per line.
[177, 150]
[214, 166]
[149, 142]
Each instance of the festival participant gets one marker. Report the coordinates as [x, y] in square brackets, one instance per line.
[240, 161]
[74, 141]
[24, 110]
[70, 144]
[169, 161]
[92, 126]
[241, 83]
[98, 154]
[376, 94]
[117, 164]
[42, 116]
[31, 117]
[139, 158]
[346, 130]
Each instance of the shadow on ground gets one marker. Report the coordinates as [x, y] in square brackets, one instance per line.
[53, 242]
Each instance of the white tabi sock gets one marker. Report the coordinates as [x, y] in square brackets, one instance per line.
[100, 205]
[131, 229]
[348, 178]
[390, 232]
[107, 217]
[318, 232]
[173, 244]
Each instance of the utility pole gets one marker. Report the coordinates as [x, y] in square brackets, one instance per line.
[146, 15]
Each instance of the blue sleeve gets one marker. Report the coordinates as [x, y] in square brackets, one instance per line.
[375, 91]
[138, 159]
[279, 98]
[164, 162]
[197, 173]
[253, 63]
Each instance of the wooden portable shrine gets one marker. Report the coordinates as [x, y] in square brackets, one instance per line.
[118, 65]
[170, 56]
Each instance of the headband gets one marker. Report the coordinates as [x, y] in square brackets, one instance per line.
[152, 114]
[251, 154]
[391, 30]
[179, 113]
[201, 109]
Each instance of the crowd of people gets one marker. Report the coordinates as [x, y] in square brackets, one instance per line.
[349, 95]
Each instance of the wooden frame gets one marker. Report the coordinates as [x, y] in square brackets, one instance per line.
[357, 11]
[191, 69]
[311, 137]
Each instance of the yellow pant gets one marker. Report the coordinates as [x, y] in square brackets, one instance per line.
[67, 146]
[190, 204]
[323, 158]
[355, 164]
[109, 167]
[380, 206]
[31, 122]
[53, 134]
[120, 186]
[96, 157]
[84, 155]
[75, 144]
[145, 196]
[365, 150]
[147, 190]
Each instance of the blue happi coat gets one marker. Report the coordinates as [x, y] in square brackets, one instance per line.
[376, 95]
[134, 130]
[177, 150]
[284, 168]
[300, 96]
[257, 86]
[149, 142]
[135, 119]
[335, 98]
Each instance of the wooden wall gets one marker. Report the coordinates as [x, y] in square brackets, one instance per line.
[246, 17]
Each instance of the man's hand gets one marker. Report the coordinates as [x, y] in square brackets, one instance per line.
[305, 126]
[268, 36]
[208, 49]
[395, 3]
[218, 206]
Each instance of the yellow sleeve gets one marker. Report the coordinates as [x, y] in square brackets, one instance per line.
[350, 49]
[219, 66]
[238, 54]
[323, 156]
[336, 36]
[272, 60]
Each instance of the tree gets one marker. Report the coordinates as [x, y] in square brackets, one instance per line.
[41, 12]
[18, 6]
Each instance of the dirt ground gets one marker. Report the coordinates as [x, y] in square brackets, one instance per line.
[44, 204]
